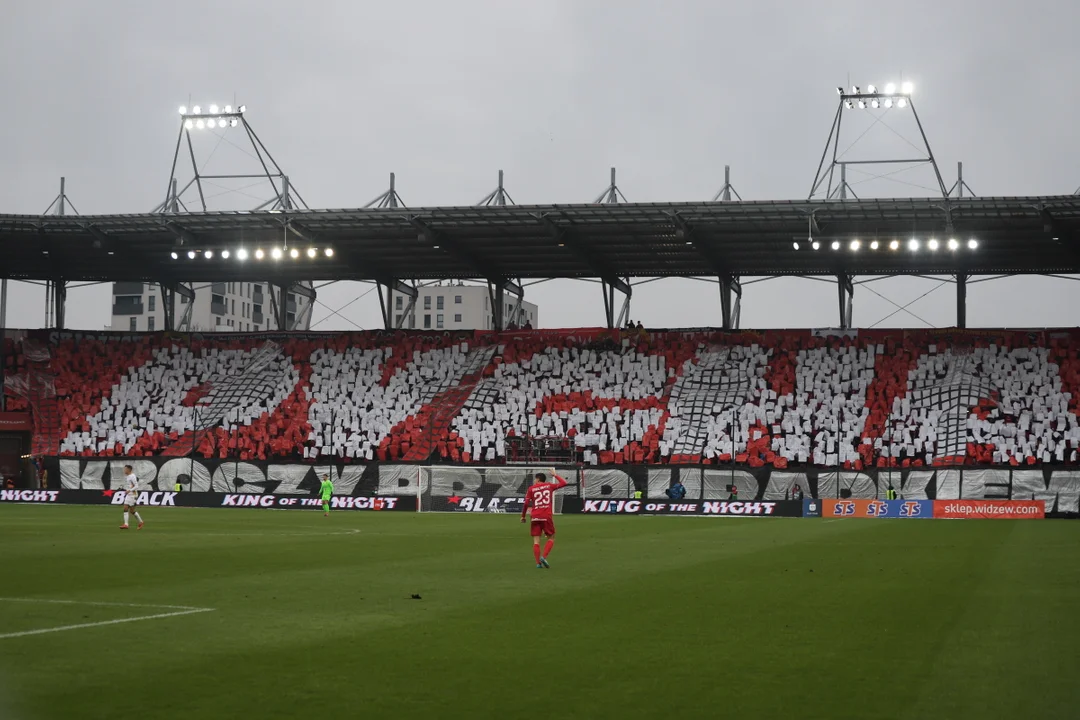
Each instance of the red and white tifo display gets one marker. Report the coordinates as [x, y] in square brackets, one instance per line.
[819, 398]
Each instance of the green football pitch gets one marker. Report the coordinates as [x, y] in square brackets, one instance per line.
[280, 614]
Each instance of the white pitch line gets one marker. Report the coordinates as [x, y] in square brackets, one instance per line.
[354, 531]
[102, 604]
[62, 628]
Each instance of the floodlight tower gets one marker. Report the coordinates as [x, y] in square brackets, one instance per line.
[888, 99]
[219, 120]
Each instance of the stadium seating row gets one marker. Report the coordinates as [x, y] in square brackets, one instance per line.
[851, 399]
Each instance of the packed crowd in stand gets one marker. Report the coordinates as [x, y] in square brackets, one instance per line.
[852, 399]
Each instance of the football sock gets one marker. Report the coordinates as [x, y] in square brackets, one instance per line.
[138, 517]
[125, 518]
[536, 552]
[326, 507]
[547, 548]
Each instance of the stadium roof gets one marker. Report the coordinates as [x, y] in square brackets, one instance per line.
[1018, 235]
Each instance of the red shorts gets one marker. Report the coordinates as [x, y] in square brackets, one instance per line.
[546, 527]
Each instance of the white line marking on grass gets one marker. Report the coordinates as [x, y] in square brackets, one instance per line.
[276, 534]
[104, 622]
[102, 604]
[833, 520]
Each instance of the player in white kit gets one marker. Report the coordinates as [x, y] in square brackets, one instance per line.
[131, 497]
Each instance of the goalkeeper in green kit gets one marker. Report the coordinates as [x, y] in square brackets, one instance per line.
[326, 489]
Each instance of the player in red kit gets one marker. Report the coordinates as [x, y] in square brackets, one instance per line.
[540, 498]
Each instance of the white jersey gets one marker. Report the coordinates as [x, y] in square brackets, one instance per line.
[131, 487]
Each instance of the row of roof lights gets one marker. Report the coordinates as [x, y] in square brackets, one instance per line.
[914, 245]
[196, 119]
[276, 253]
[874, 98]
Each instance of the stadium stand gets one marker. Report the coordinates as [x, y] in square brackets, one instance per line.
[850, 399]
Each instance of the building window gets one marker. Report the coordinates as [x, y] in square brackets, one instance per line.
[457, 299]
[150, 324]
[397, 321]
[427, 302]
[217, 320]
[398, 302]
[427, 322]
[233, 307]
[439, 302]
[439, 320]
[457, 318]
[133, 325]
[151, 303]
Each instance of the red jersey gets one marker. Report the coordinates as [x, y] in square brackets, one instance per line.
[541, 499]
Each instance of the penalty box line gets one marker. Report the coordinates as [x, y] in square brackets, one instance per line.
[176, 611]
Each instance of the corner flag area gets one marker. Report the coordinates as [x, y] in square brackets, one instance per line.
[223, 613]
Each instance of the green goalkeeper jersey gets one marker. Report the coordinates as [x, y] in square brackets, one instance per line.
[326, 488]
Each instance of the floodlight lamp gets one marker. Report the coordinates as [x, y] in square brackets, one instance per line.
[294, 253]
[816, 245]
[208, 254]
[855, 245]
[225, 254]
[435, 246]
[183, 109]
[913, 245]
[973, 244]
[840, 91]
[953, 245]
[188, 124]
[862, 104]
[200, 124]
[888, 102]
[259, 254]
[894, 245]
[173, 255]
[234, 122]
[213, 109]
[890, 88]
[854, 89]
[196, 110]
[875, 104]
[329, 252]
[311, 252]
[191, 254]
[276, 253]
[933, 244]
[871, 89]
[243, 109]
[848, 105]
[795, 244]
[874, 245]
[907, 88]
[241, 254]
[901, 103]
[211, 123]
[835, 244]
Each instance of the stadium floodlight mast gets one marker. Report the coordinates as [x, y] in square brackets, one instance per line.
[219, 120]
[890, 98]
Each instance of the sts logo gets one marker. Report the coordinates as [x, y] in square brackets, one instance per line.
[877, 508]
[910, 508]
[844, 508]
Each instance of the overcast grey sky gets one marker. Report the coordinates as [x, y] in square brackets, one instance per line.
[554, 93]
